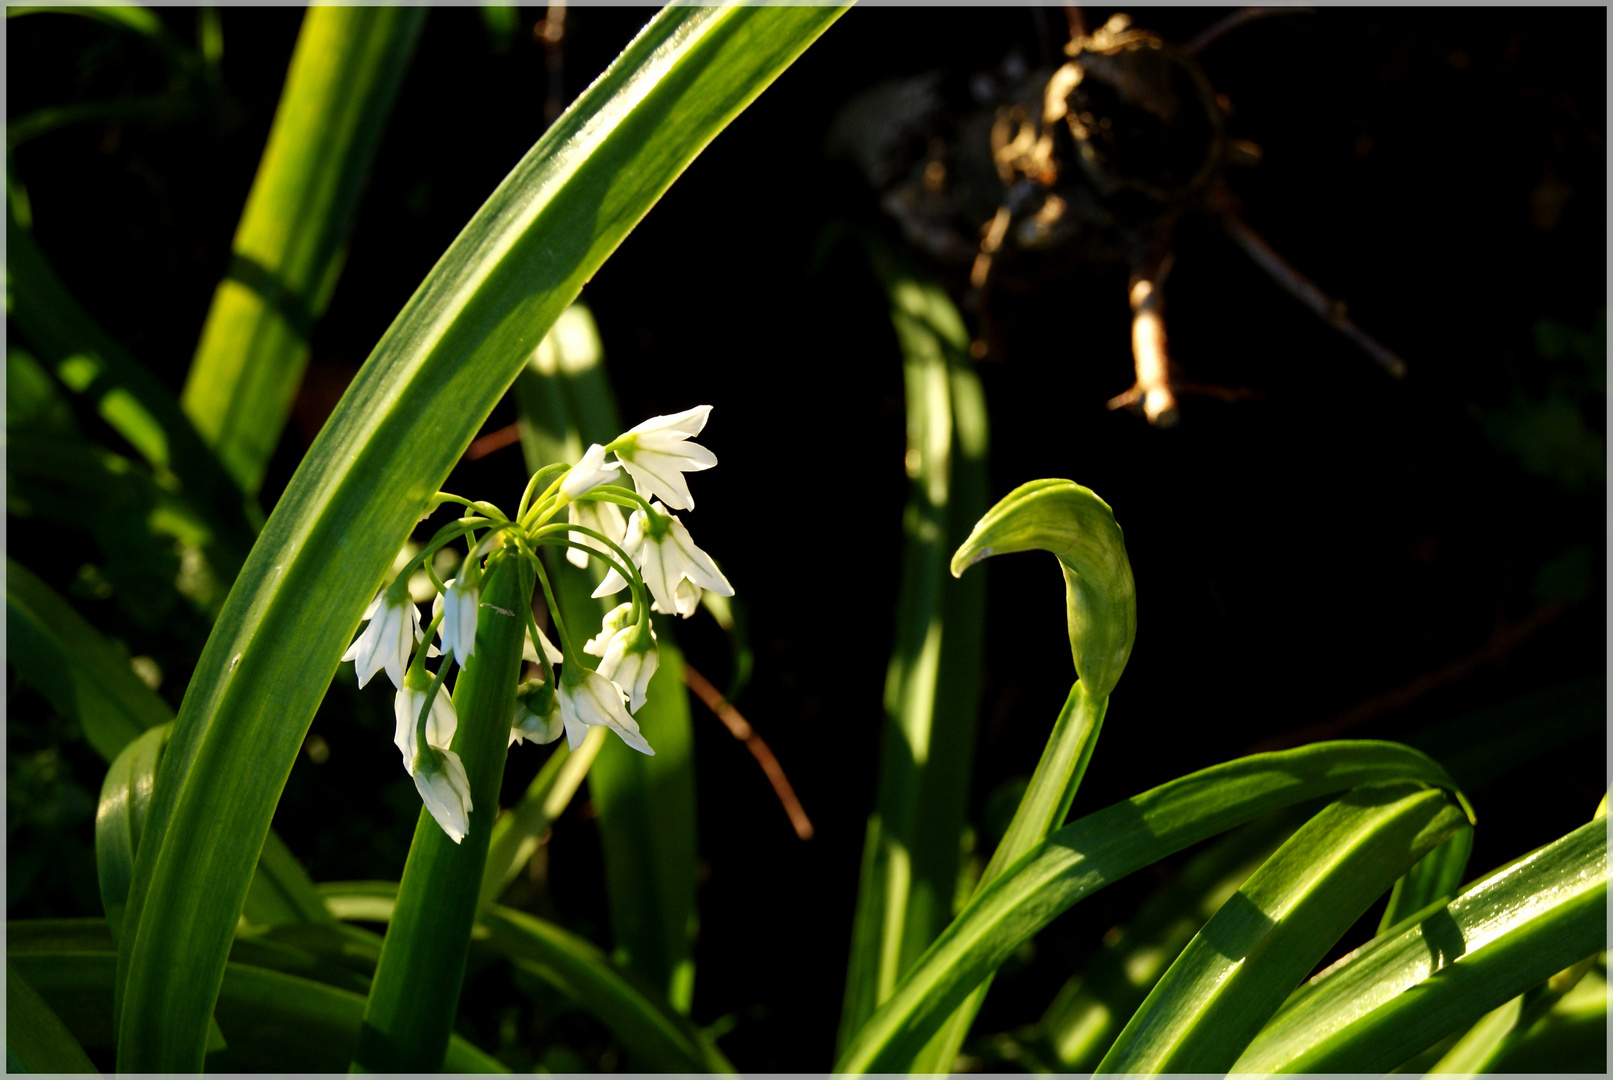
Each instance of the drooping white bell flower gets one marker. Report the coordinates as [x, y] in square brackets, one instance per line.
[686, 598]
[529, 651]
[589, 698]
[604, 518]
[630, 661]
[666, 555]
[658, 452]
[590, 471]
[458, 606]
[441, 723]
[393, 631]
[615, 619]
[537, 714]
[440, 778]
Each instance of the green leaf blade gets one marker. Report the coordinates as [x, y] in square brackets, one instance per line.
[1096, 850]
[1399, 994]
[1243, 963]
[289, 244]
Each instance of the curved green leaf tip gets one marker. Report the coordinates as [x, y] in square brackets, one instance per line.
[1079, 529]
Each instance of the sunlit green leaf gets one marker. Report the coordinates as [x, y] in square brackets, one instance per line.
[291, 239]
[1098, 849]
[1396, 995]
[1079, 529]
[910, 855]
[1277, 926]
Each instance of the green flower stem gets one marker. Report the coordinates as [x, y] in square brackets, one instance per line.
[415, 994]
[613, 493]
[1043, 808]
[543, 657]
[567, 650]
[630, 572]
[436, 680]
[555, 469]
[561, 541]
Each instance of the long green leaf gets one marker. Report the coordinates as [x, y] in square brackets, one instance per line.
[1081, 1023]
[641, 1019]
[400, 427]
[659, 1038]
[1098, 849]
[415, 995]
[519, 830]
[61, 655]
[1398, 994]
[79, 673]
[290, 242]
[910, 856]
[36, 1039]
[1239, 968]
[127, 396]
[646, 804]
[1078, 528]
[275, 1022]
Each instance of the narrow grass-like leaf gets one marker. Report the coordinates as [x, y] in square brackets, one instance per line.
[646, 804]
[1078, 529]
[520, 829]
[1100, 594]
[1437, 876]
[645, 1023]
[1571, 1038]
[1396, 995]
[1081, 1023]
[274, 1022]
[291, 239]
[415, 995]
[36, 1039]
[1487, 1042]
[127, 396]
[400, 427]
[910, 855]
[659, 1038]
[61, 655]
[1098, 849]
[1239, 968]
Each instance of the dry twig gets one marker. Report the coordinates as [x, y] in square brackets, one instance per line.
[741, 730]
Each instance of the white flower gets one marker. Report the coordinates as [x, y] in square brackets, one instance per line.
[658, 452]
[588, 473]
[630, 662]
[440, 778]
[440, 724]
[667, 556]
[458, 630]
[388, 639]
[604, 518]
[613, 622]
[594, 699]
[686, 598]
[529, 651]
[537, 714]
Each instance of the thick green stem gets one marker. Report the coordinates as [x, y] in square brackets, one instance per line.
[1044, 807]
[415, 994]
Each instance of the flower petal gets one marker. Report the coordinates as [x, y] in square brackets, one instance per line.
[688, 422]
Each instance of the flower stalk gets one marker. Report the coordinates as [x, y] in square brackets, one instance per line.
[415, 993]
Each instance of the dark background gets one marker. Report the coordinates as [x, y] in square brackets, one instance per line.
[1335, 554]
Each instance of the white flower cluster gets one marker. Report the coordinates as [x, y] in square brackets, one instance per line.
[669, 571]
